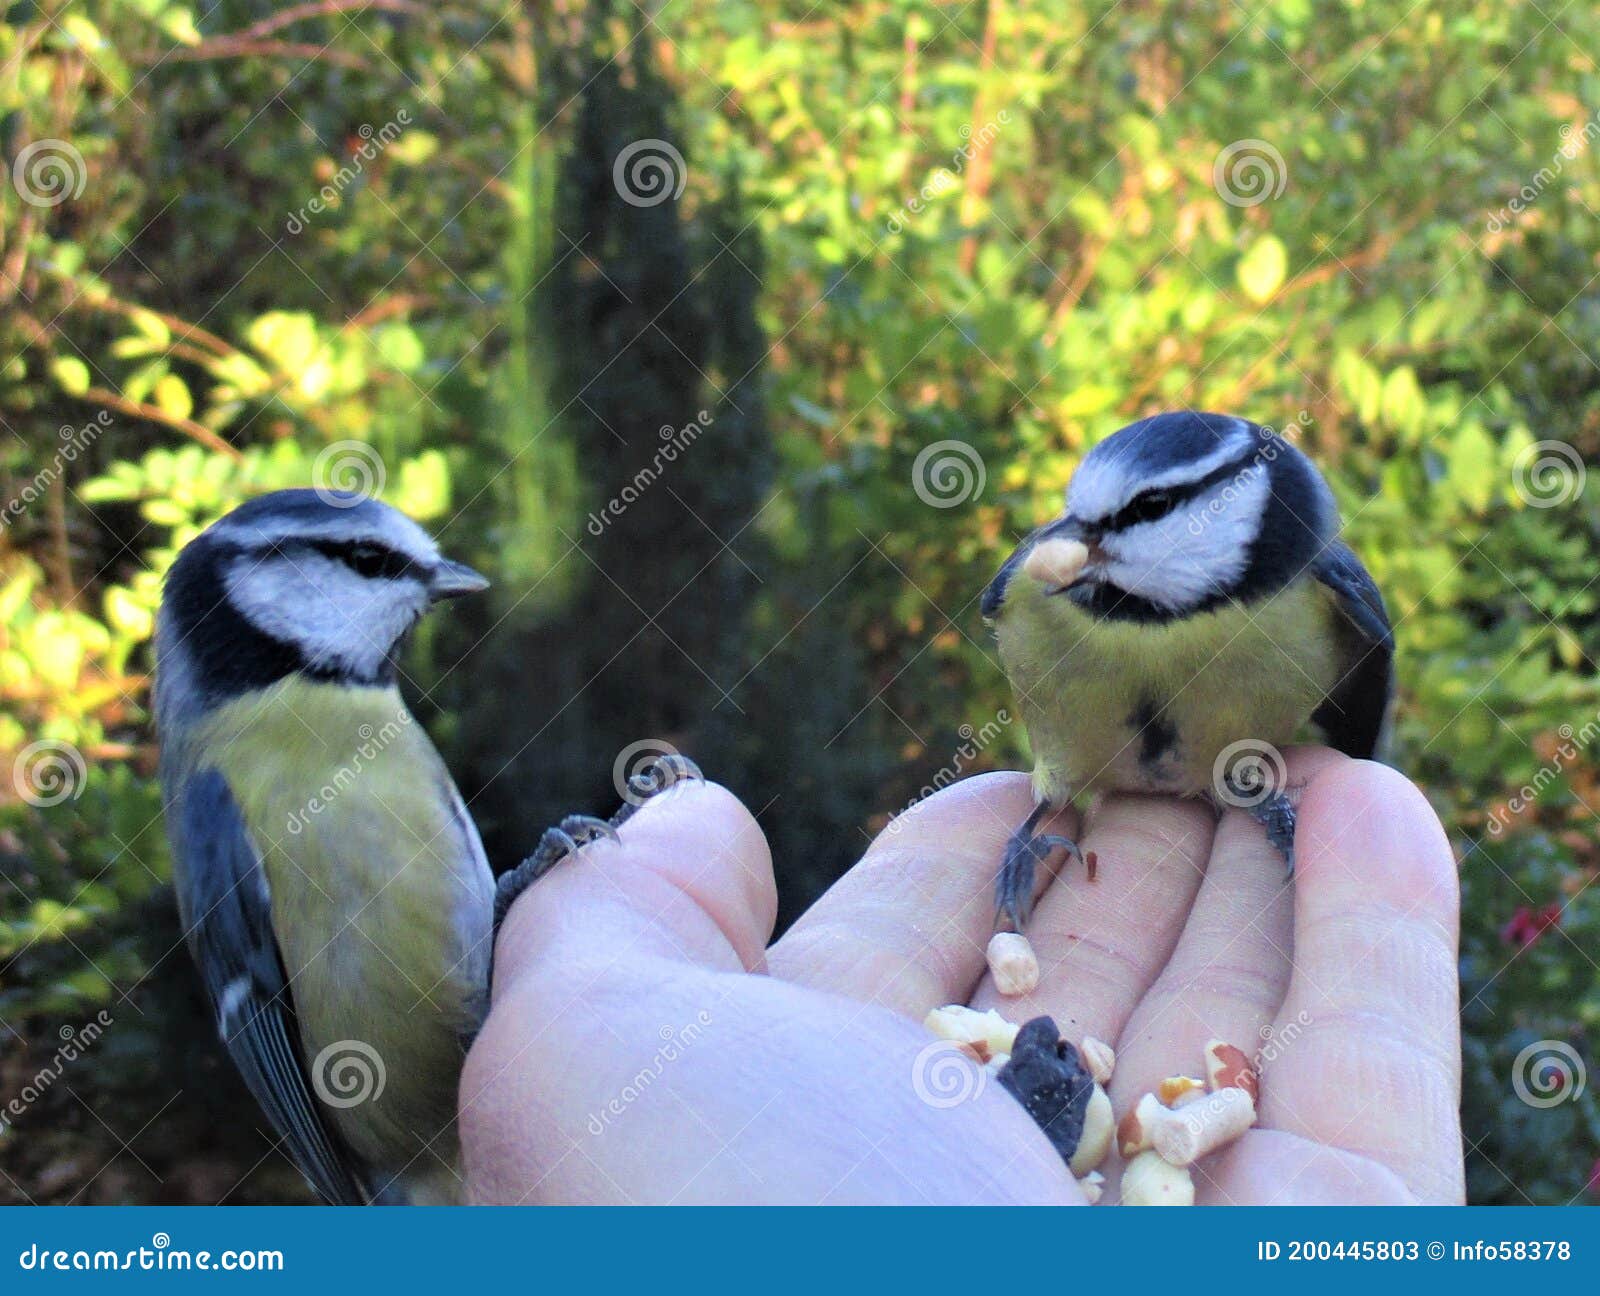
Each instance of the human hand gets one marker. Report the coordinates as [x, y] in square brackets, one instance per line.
[635, 1051]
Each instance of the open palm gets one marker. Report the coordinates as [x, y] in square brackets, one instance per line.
[645, 1045]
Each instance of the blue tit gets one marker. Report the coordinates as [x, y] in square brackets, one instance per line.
[333, 890]
[1186, 615]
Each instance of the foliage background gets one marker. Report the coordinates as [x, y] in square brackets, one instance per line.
[900, 223]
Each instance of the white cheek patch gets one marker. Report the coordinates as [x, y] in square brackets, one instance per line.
[1198, 550]
[336, 618]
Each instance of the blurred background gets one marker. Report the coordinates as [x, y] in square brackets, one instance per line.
[739, 340]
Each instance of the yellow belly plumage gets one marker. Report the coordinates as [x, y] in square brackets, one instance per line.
[381, 897]
[1129, 706]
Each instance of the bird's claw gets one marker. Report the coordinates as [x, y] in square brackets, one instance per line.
[567, 838]
[657, 776]
[576, 831]
[1276, 813]
[1013, 889]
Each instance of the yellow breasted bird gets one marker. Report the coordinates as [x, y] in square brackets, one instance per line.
[332, 887]
[1189, 611]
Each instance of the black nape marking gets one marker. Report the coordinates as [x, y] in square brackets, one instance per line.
[1158, 736]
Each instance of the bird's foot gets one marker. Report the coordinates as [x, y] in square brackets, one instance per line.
[1276, 813]
[1025, 851]
[655, 778]
[568, 837]
[575, 832]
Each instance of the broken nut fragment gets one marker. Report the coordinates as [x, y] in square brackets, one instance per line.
[987, 1033]
[1173, 1088]
[1099, 1057]
[1056, 563]
[1137, 1130]
[1148, 1180]
[1013, 964]
[1227, 1067]
[1099, 1123]
[1183, 1137]
[1093, 1185]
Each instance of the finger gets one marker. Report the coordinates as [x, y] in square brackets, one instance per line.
[1366, 1052]
[684, 1085]
[1230, 970]
[908, 925]
[1270, 1168]
[690, 880]
[1101, 944]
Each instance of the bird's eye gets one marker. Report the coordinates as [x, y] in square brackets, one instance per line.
[369, 559]
[1149, 506]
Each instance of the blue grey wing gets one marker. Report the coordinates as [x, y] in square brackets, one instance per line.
[227, 915]
[1354, 713]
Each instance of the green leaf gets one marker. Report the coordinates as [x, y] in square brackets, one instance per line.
[179, 24]
[413, 148]
[172, 397]
[71, 374]
[1262, 269]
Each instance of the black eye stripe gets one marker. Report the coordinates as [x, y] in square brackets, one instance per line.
[366, 558]
[1138, 508]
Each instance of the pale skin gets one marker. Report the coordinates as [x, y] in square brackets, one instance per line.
[646, 1045]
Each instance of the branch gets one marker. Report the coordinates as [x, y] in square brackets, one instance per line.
[227, 47]
[321, 9]
[977, 186]
[151, 413]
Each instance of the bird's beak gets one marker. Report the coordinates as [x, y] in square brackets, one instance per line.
[1060, 556]
[452, 579]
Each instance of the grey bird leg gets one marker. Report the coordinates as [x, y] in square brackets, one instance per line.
[1275, 813]
[1025, 851]
[577, 831]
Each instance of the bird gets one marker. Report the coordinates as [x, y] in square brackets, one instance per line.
[1183, 618]
[332, 887]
